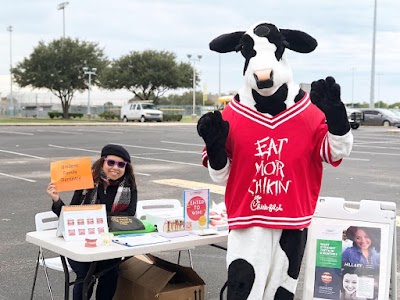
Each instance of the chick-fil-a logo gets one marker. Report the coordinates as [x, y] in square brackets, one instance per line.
[257, 205]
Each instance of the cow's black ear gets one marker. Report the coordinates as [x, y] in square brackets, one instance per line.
[299, 41]
[226, 42]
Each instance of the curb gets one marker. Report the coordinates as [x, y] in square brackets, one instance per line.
[99, 124]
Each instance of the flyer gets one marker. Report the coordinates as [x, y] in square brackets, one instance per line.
[196, 204]
[72, 174]
[347, 261]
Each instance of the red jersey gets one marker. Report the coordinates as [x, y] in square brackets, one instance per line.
[276, 165]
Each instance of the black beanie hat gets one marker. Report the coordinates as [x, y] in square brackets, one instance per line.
[116, 150]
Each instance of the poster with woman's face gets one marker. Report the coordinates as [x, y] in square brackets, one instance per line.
[361, 247]
[361, 262]
[348, 261]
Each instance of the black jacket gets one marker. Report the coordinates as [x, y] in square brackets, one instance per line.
[105, 197]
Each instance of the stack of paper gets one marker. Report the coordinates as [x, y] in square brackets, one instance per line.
[132, 240]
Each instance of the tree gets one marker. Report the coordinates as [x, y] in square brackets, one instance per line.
[58, 68]
[148, 74]
[380, 104]
[182, 99]
[108, 105]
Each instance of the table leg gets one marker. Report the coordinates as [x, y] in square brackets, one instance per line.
[66, 278]
[34, 278]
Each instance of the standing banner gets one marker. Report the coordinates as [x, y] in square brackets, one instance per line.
[351, 251]
[196, 205]
[72, 174]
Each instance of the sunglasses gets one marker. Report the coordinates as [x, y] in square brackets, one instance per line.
[111, 163]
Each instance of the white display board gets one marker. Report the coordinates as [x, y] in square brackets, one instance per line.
[351, 251]
[77, 222]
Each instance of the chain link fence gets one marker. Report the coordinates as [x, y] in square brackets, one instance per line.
[30, 105]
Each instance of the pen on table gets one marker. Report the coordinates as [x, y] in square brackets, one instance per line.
[121, 243]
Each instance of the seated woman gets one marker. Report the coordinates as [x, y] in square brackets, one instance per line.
[114, 186]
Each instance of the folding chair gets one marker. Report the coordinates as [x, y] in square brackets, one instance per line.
[158, 206]
[47, 221]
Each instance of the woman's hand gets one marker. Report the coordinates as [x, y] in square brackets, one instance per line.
[52, 192]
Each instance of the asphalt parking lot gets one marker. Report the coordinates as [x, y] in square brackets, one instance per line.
[166, 157]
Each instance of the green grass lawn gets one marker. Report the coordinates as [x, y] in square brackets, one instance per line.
[189, 119]
[20, 120]
[50, 121]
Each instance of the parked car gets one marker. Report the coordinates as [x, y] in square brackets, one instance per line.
[141, 112]
[396, 111]
[355, 117]
[380, 116]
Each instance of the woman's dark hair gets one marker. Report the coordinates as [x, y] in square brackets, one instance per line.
[373, 234]
[97, 169]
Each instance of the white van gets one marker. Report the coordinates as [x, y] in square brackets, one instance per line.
[140, 112]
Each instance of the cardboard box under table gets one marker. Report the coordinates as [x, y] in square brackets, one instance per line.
[149, 277]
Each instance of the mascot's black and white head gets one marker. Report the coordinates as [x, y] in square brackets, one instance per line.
[269, 86]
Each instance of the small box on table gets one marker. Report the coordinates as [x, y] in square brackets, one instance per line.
[166, 222]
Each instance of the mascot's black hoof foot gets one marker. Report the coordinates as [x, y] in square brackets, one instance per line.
[283, 294]
[240, 279]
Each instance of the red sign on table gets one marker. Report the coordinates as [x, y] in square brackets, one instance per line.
[196, 205]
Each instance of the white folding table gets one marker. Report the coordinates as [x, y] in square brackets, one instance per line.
[77, 251]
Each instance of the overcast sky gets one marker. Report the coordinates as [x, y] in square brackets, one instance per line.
[342, 28]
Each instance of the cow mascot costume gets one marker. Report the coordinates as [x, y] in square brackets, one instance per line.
[268, 146]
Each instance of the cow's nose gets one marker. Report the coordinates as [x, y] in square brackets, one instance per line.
[263, 75]
[264, 78]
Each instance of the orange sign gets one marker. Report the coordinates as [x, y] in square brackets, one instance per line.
[72, 174]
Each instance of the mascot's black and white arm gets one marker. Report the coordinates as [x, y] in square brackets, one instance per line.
[268, 146]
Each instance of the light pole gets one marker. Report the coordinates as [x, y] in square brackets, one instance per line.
[90, 72]
[379, 89]
[193, 59]
[352, 87]
[372, 92]
[62, 6]
[219, 75]
[9, 28]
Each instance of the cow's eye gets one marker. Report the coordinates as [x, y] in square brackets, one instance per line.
[247, 46]
[246, 50]
[239, 47]
[279, 53]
